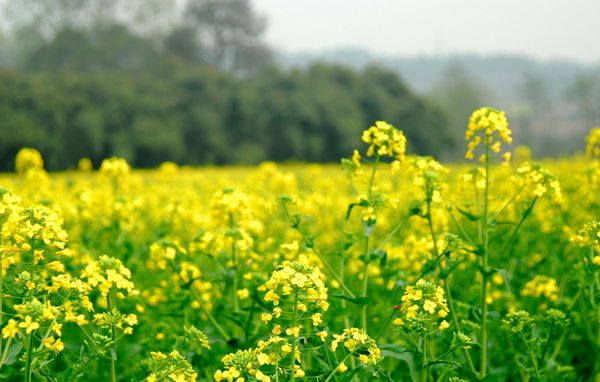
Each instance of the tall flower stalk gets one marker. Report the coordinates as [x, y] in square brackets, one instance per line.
[489, 126]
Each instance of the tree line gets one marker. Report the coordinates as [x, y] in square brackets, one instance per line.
[201, 115]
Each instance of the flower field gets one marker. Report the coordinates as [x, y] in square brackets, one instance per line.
[392, 267]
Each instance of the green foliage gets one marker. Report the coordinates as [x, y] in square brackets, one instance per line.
[197, 116]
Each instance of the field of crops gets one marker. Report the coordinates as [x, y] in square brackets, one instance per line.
[390, 267]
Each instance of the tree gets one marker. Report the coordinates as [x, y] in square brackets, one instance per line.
[36, 27]
[585, 94]
[229, 33]
[539, 108]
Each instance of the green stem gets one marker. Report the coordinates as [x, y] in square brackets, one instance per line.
[384, 326]
[293, 353]
[236, 301]
[372, 180]
[211, 318]
[365, 284]
[559, 345]
[535, 364]
[113, 361]
[344, 304]
[514, 234]
[234, 281]
[507, 203]
[484, 264]
[77, 369]
[328, 358]
[460, 227]
[29, 361]
[5, 353]
[424, 369]
[367, 256]
[335, 370]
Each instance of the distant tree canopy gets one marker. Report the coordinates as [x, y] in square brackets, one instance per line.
[185, 81]
[94, 35]
[199, 116]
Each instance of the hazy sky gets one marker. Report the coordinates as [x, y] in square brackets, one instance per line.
[541, 29]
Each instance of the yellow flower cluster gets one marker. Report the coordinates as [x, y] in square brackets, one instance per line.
[592, 149]
[490, 122]
[540, 178]
[243, 366]
[229, 206]
[85, 165]
[589, 235]
[299, 281]
[28, 159]
[163, 253]
[116, 319]
[32, 231]
[385, 140]
[353, 165]
[426, 173]
[194, 337]
[115, 168]
[107, 272]
[30, 314]
[170, 367]
[541, 286]
[423, 304]
[360, 344]
[8, 203]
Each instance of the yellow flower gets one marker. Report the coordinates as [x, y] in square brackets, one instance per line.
[29, 325]
[51, 344]
[342, 367]
[10, 330]
[322, 335]
[316, 319]
[493, 124]
[293, 331]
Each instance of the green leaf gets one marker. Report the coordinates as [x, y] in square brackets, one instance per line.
[355, 300]
[403, 354]
[368, 227]
[469, 215]
[4, 371]
[444, 362]
[506, 278]
[13, 352]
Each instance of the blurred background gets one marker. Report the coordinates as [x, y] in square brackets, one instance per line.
[238, 81]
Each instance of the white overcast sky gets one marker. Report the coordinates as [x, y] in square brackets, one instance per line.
[541, 29]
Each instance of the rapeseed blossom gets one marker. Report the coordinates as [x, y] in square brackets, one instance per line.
[540, 180]
[358, 342]
[592, 149]
[385, 140]
[28, 159]
[115, 168]
[541, 286]
[303, 281]
[423, 305]
[108, 272]
[493, 126]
